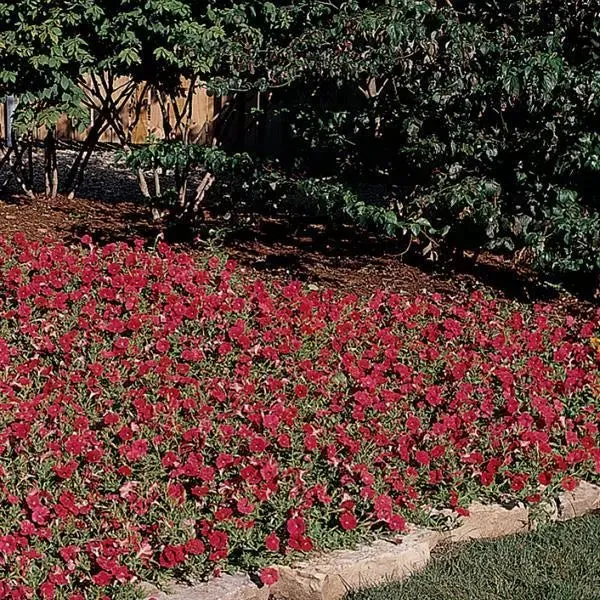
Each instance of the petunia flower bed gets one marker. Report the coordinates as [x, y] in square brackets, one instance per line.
[163, 418]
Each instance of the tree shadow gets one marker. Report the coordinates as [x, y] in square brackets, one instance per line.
[110, 208]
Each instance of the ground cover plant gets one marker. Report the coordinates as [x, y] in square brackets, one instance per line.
[160, 417]
[557, 562]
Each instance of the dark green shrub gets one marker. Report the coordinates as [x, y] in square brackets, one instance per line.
[478, 118]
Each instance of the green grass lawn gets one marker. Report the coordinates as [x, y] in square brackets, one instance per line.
[558, 562]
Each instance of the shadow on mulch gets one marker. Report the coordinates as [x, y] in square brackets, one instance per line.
[342, 259]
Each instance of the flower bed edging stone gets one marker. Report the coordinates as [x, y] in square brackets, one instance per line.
[489, 521]
[226, 587]
[583, 500]
[332, 575]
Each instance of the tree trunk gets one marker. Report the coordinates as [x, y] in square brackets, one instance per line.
[16, 165]
[6, 152]
[3, 161]
[118, 128]
[75, 177]
[207, 182]
[30, 162]
[50, 165]
[157, 188]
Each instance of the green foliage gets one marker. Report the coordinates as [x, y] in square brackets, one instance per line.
[178, 155]
[186, 161]
[571, 239]
[42, 57]
[479, 118]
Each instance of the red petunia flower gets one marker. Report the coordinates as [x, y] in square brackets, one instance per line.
[218, 539]
[171, 556]
[348, 521]
[269, 575]
[296, 527]
[195, 547]
[272, 542]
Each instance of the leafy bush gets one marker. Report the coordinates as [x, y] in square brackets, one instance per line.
[479, 118]
[160, 417]
[185, 161]
[85, 55]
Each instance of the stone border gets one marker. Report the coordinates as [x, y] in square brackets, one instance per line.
[330, 576]
[226, 587]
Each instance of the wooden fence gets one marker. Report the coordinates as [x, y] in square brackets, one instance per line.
[233, 120]
[150, 121]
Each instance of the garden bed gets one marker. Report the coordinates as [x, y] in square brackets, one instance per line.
[163, 418]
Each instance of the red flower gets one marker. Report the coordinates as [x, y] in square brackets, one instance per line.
[40, 515]
[195, 547]
[258, 444]
[137, 450]
[47, 590]
[284, 441]
[269, 575]
[176, 492]
[103, 578]
[206, 473]
[162, 346]
[125, 433]
[383, 507]
[171, 556]
[397, 523]
[4, 353]
[433, 395]
[306, 544]
[296, 527]
[301, 543]
[272, 542]
[69, 553]
[413, 423]
[422, 457]
[218, 539]
[124, 471]
[301, 391]
[244, 506]
[348, 521]
[310, 442]
[27, 528]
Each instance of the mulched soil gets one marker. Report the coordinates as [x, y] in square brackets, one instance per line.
[110, 209]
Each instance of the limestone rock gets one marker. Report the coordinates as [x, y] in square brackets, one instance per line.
[584, 499]
[487, 521]
[227, 587]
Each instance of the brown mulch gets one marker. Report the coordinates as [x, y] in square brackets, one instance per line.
[63, 219]
[343, 260]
